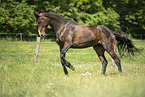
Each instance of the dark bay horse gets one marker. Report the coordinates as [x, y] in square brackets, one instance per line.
[72, 35]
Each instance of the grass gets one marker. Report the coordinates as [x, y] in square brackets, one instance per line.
[20, 77]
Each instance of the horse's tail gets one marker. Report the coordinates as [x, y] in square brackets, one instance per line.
[125, 45]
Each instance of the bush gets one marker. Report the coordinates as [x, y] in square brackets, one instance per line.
[17, 18]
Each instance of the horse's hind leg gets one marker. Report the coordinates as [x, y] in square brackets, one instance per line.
[117, 60]
[113, 62]
[110, 50]
[100, 51]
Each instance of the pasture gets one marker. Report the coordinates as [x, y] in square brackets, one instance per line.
[20, 77]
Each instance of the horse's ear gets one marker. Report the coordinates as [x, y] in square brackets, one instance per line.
[36, 15]
[42, 10]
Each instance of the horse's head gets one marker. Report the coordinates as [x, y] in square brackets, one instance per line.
[42, 23]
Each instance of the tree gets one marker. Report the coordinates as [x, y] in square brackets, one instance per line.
[132, 14]
[16, 17]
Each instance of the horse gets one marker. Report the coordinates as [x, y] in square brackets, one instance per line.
[70, 34]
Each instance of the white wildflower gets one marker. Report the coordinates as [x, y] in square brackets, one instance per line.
[83, 74]
[52, 91]
[88, 73]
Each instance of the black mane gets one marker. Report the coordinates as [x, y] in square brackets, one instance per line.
[43, 11]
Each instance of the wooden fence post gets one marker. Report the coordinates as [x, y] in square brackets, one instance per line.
[37, 49]
[21, 36]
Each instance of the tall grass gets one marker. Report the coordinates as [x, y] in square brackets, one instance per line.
[19, 76]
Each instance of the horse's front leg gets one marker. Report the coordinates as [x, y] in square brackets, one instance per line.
[62, 57]
[62, 62]
[64, 68]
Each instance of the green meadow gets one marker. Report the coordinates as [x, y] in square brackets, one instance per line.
[20, 77]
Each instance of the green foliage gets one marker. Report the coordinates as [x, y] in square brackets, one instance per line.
[107, 18]
[17, 18]
[89, 6]
[132, 14]
[17, 15]
[136, 20]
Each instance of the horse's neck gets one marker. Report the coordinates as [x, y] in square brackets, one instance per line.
[56, 21]
[57, 25]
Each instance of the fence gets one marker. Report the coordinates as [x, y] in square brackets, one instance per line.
[21, 36]
[44, 50]
[139, 36]
[12, 34]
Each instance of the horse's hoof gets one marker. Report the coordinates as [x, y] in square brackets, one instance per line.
[66, 73]
[72, 68]
[103, 73]
[120, 73]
